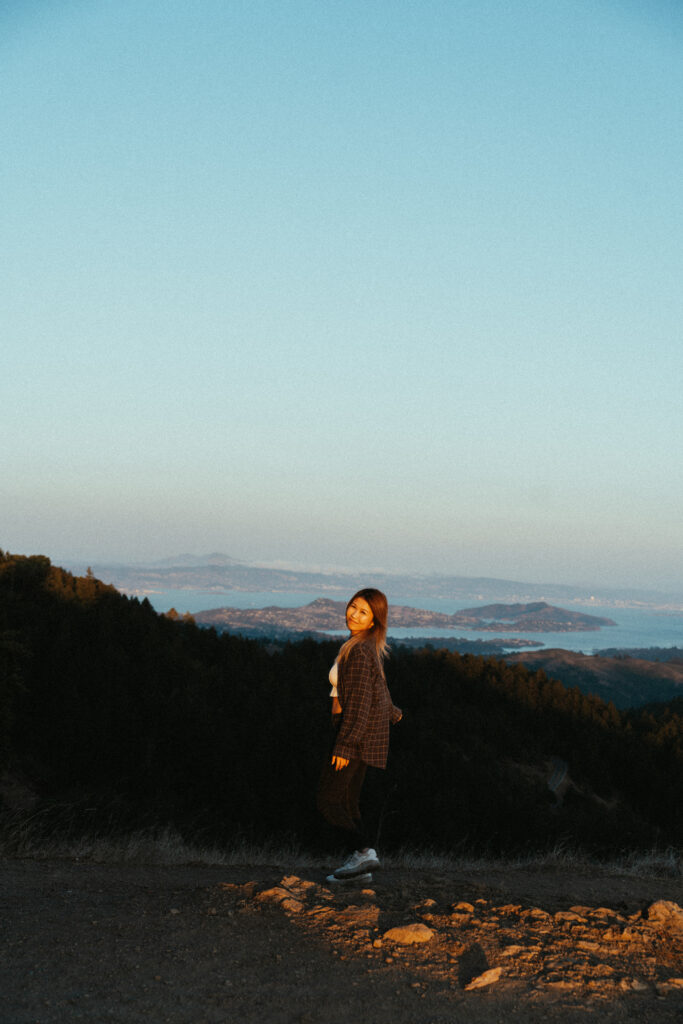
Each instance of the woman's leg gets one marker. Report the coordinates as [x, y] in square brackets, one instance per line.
[338, 799]
[371, 808]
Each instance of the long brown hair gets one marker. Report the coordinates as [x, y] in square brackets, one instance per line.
[377, 632]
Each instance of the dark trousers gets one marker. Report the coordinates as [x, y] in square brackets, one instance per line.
[339, 801]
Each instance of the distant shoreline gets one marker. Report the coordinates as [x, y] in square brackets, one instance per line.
[221, 574]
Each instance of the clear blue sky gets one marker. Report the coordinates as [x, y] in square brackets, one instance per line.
[366, 284]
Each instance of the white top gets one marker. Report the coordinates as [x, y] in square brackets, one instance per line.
[333, 680]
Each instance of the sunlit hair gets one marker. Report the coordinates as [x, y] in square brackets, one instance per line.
[378, 630]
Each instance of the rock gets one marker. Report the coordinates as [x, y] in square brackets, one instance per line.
[671, 985]
[320, 911]
[292, 905]
[665, 914]
[536, 914]
[281, 896]
[274, 895]
[568, 915]
[293, 882]
[463, 908]
[409, 934]
[487, 978]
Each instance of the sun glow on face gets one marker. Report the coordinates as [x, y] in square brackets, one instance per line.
[359, 615]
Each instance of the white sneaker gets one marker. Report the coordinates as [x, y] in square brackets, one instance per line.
[358, 863]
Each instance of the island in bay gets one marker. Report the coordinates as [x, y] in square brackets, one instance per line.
[324, 614]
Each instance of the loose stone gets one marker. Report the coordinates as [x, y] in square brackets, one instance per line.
[409, 934]
[487, 978]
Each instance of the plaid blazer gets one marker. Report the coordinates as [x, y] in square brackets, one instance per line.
[367, 709]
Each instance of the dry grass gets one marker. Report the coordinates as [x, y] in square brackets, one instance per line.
[653, 863]
[27, 838]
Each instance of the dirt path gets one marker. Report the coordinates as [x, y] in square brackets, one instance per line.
[212, 945]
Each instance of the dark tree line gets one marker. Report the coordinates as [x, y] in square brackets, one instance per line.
[127, 718]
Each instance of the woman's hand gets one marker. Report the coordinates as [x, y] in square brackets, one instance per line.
[339, 762]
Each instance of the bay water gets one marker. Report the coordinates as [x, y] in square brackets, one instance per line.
[635, 626]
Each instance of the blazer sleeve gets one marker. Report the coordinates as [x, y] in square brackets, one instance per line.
[357, 687]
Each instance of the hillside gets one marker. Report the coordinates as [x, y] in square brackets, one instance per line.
[627, 682]
[114, 717]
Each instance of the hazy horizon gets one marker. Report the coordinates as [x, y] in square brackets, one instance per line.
[189, 561]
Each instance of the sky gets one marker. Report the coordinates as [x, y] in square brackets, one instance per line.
[335, 283]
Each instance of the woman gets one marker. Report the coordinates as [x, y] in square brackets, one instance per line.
[362, 712]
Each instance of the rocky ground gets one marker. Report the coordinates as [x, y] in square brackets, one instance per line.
[211, 945]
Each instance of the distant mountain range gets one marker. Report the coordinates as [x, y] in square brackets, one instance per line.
[195, 561]
[221, 573]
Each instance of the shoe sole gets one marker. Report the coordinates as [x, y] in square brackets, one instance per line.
[366, 876]
[373, 865]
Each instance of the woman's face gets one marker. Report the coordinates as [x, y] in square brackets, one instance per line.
[359, 615]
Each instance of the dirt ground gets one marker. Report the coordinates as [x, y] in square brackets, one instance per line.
[211, 945]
